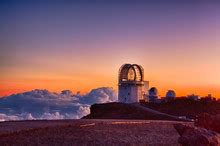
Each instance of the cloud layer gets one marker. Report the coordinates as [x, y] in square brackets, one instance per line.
[43, 104]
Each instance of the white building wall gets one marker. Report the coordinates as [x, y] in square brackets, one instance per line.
[123, 94]
[140, 94]
[130, 93]
[133, 94]
[146, 86]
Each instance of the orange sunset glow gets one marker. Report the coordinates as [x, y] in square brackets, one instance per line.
[80, 49]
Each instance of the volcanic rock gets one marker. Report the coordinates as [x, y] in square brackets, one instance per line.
[195, 136]
[211, 122]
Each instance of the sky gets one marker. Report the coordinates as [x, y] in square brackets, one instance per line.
[80, 45]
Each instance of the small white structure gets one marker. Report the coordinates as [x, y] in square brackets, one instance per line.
[171, 95]
[194, 97]
[153, 94]
[131, 83]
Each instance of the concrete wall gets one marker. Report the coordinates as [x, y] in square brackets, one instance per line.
[130, 93]
[146, 87]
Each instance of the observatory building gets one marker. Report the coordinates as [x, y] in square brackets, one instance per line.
[132, 87]
[153, 94]
[171, 95]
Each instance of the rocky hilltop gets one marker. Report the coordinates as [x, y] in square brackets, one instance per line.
[125, 111]
[186, 107]
[178, 109]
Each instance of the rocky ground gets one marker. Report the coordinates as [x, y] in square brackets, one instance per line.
[196, 136]
[89, 132]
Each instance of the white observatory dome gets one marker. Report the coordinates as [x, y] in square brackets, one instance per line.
[153, 92]
[171, 93]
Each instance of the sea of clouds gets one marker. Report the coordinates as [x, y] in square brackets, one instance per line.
[43, 104]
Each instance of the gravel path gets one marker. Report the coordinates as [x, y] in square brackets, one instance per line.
[89, 132]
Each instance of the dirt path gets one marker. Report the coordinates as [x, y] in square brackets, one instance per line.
[88, 132]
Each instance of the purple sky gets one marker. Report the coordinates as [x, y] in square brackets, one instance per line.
[46, 43]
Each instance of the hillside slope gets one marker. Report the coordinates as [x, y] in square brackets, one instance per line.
[186, 107]
[178, 109]
[126, 111]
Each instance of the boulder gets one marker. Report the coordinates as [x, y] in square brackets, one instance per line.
[210, 122]
[195, 136]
